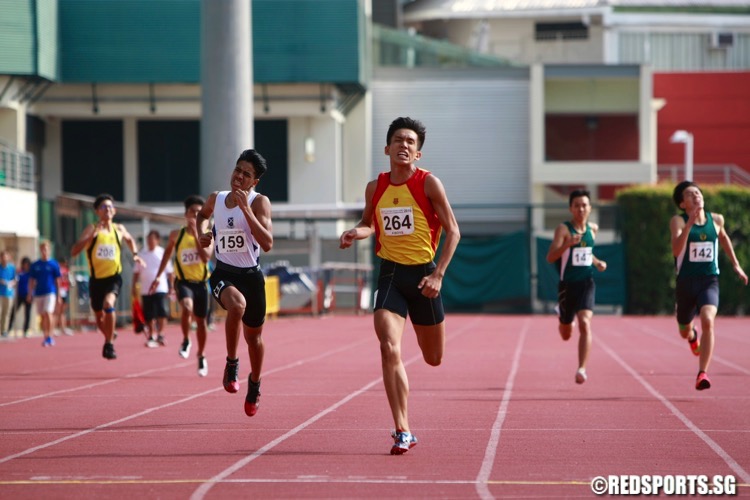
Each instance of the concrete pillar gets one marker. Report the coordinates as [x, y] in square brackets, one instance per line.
[226, 89]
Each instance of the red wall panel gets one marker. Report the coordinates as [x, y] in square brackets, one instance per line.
[714, 107]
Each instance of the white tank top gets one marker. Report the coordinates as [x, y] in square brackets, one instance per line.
[234, 242]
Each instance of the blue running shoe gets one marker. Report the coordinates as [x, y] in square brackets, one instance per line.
[404, 441]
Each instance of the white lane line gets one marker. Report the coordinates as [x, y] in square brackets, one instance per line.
[490, 453]
[678, 341]
[95, 384]
[731, 462]
[167, 405]
[222, 476]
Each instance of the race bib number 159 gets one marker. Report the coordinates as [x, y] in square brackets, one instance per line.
[231, 241]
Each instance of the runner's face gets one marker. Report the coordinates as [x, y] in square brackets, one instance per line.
[106, 211]
[243, 176]
[403, 149]
[192, 212]
[692, 198]
[581, 209]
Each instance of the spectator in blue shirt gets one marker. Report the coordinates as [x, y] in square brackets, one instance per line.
[7, 284]
[22, 297]
[44, 284]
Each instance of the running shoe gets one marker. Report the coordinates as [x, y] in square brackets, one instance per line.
[109, 351]
[48, 342]
[231, 376]
[581, 376]
[151, 343]
[68, 332]
[404, 441]
[185, 348]
[160, 340]
[695, 344]
[202, 366]
[702, 382]
[252, 400]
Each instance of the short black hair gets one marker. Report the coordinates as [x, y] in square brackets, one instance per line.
[102, 198]
[577, 193]
[154, 232]
[410, 123]
[255, 158]
[679, 189]
[194, 199]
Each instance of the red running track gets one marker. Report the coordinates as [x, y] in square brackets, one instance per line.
[501, 417]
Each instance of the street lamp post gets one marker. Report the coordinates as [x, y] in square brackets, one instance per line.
[686, 138]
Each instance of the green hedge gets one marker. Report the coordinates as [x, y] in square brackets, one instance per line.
[645, 212]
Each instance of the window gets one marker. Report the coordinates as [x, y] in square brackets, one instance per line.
[92, 157]
[561, 31]
[168, 160]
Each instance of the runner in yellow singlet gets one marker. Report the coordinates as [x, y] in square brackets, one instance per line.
[103, 243]
[407, 209]
[191, 275]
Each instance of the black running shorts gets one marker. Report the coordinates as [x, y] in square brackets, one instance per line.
[155, 306]
[694, 292]
[397, 292]
[251, 284]
[574, 296]
[198, 292]
[100, 287]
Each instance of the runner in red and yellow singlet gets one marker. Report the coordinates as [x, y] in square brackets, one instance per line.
[407, 209]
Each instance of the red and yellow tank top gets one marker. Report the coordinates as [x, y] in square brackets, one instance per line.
[187, 261]
[407, 228]
[104, 254]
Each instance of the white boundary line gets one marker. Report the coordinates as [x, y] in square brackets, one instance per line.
[222, 476]
[482, 481]
[678, 341]
[732, 463]
[167, 405]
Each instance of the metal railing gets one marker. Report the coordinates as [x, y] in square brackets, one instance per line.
[16, 169]
[706, 174]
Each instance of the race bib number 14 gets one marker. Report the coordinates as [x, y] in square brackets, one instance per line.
[583, 256]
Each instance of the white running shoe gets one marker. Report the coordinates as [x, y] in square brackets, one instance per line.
[581, 376]
[202, 367]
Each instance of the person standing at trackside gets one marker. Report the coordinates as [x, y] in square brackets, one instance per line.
[61, 313]
[191, 276]
[154, 299]
[407, 209]
[44, 285]
[696, 235]
[103, 244]
[242, 226]
[572, 252]
[22, 297]
[7, 288]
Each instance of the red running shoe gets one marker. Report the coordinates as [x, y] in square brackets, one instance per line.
[702, 382]
[695, 344]
[252, 400]
[231, 376]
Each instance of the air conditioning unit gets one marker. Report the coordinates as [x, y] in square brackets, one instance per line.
[722, 40]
